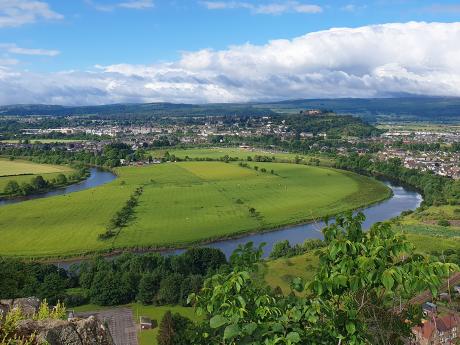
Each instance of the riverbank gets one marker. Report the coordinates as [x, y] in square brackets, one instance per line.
[213, 197]
[10, 199]
[94, 178]
[18, 177]
[401, 199]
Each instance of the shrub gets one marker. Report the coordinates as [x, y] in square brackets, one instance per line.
[12, 188]
[443, 222]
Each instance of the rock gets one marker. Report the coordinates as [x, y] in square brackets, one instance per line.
[93, 332]
[53, 332]
[29, 306]
[6, 301]
[5, 307]
[88, 331]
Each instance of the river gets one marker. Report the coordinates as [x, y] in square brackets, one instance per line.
[402, 199]
[96, 178]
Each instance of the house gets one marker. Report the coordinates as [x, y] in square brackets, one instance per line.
[306, 135]
[145, 322]
[311, 112]
[429, 308]
[437, 331]
[444, 296]
[457, 289]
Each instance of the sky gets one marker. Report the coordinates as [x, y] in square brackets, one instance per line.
[81, 52]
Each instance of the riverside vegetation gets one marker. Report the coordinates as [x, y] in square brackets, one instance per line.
[182, 203]
[21, 178]
[356, 296]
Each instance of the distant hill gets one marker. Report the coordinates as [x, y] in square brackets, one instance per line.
[141, 109]
[438, 109]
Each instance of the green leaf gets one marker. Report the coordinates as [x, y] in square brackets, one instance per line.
[351, 328]
[340, 280]
[387, 280]
[250, 328]
[293, 337]
[231, 331]
[217, 321]
[297, 284]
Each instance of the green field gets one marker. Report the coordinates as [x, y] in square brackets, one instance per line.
[23, 171]
[422, 229]
[280, 272]
[235, 152]
[147, 337]
[20, 167]
[182, 203]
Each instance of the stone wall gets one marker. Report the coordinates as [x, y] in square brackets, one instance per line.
[77, 331]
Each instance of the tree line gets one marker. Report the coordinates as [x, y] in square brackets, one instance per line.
[148, 278]
[436, 190]
[358, 295]
[122, 217]
[38, 184]
[109, 156]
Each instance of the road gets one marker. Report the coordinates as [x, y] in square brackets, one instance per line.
[427, 296]
[121, 324]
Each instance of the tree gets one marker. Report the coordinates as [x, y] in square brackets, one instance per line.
[191, 284]
[148, 287]
[52, 287]
[12, 188]
[107, 288]
[200, 260]
[166, 330]
[26, 188]
[174, 330]
[169, 292]
[61, 179]
[38, 182]
[359, 295]
[280, 249]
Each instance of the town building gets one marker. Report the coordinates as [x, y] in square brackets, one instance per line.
[441, 330]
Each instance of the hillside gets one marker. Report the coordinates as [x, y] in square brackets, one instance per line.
[438, 109]
[435, 109]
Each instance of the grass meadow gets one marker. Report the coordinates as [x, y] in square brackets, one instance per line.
[147, 337]
[236, 152]
[23, 171]
[422, 228]
[21, 167]
[182, 203]
[280, 272]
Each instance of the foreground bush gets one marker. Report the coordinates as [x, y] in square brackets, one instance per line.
[355, 298]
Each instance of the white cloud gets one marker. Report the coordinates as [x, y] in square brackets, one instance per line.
[274, 8]
[5, 61]
[353, 8]
[129, 4]
[14, 49]
[14, 13]
[138, 5]
[370, 61]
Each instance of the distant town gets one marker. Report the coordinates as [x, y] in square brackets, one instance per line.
[426, 150]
